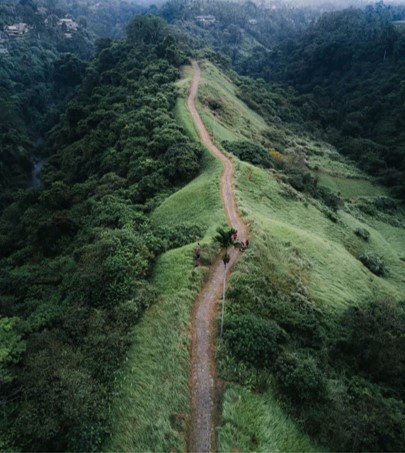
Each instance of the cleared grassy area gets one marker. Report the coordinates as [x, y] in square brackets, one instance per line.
[199, 202]
[330, 161]
[349, 187]
[151, 407]
[234, 120]
[257, 423]
[336, 278]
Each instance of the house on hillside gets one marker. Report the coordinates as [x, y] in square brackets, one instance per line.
[205, 20]
[4, 52]
[70, 24]
[16, 30]
[252, 21]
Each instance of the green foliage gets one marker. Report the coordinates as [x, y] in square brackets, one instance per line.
[362, 233]
[253, 340]
[342, 62]
[374, 263]
[249, 152]
[77, 252]
[12, 346]
[373, 342]
[37, 75]
[300, 378]
[146, 30]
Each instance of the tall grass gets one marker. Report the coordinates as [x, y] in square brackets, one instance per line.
[257, 423]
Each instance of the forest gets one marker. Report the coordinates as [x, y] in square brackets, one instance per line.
[77, 251]
[96, 104]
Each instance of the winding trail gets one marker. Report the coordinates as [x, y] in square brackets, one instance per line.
[202, 382]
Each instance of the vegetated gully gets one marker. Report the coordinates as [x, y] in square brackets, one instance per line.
[202, 432]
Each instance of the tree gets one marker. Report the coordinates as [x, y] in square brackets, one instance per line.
[146, 30]
[225, 239]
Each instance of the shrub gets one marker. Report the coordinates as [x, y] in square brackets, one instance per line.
[373, 343]
[328, 197]
[373, 263]
[385, 204]
[253, 340]
[249, 152]
[362, 233]
[299, 378]
[182, 234]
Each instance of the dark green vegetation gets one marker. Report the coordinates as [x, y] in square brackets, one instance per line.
[239, 29]
[349, 68]
[76, 252]
[39, 70]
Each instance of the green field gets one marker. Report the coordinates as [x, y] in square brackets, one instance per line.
[151, 407]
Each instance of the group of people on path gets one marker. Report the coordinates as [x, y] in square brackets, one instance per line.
[242, 246]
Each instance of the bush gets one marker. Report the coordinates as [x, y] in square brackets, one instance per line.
[385, 204]
[182, 234]
[362, 233]
[299, 378]
[373, 342]
[249, 152]
[374, 263]
[253, 340]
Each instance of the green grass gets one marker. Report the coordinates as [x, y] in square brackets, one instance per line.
[235, 120]
[257, 423]
[331, 162]
[336, 278]
[151, 407]
[351, 187]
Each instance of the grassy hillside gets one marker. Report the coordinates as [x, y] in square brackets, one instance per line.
[151, 407]
[266, 200]
[301, 249]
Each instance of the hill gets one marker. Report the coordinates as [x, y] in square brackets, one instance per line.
[302, 286]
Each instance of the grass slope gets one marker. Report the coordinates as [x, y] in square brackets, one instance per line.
[151, 408]
[327, 253]
[257, 423]
[336, 277]
[233, 120]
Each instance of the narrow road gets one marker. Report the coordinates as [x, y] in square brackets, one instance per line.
[202, 430]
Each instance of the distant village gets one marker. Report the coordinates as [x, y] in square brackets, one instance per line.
[17, 31]
[209, 19]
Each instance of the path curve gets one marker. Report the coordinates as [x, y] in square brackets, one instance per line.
[202, 383]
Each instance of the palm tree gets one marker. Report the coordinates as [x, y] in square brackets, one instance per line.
[225, 240]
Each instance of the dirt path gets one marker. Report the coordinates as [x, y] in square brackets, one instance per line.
[202, 433]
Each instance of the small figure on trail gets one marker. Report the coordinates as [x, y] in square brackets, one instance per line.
[197, 255]
[235, 236]
[244, 245]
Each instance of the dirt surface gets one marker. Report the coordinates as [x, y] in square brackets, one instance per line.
[202, 383]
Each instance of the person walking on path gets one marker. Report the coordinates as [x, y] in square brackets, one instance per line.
[197, 255]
